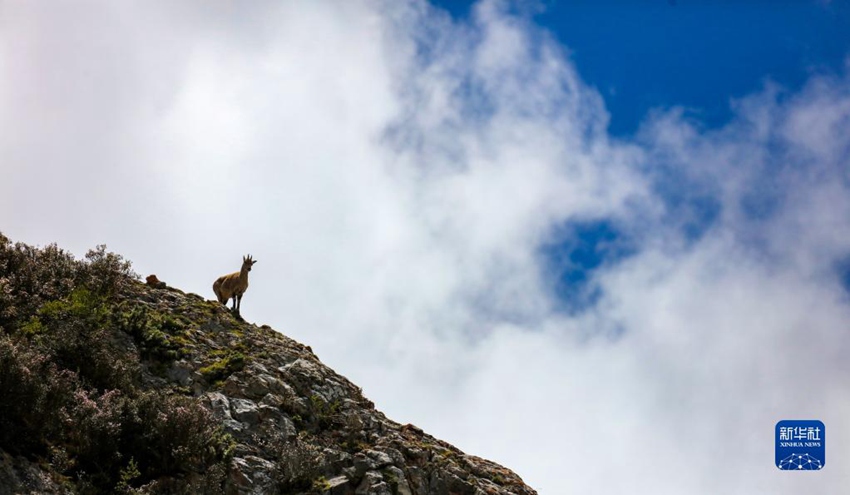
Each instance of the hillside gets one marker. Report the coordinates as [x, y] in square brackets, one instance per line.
[110, 385]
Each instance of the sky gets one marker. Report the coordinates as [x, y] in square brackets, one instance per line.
[604, 246]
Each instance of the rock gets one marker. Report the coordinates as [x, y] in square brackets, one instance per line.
[418, 480]
[294, 425]
[283, 424]
[269, 413]
[338, 485]
[363, 463]
[245, 411]
[218, 404]
[233, 427]
[397, 481]
[373, 484]
[380, 459]
[445, 482]
[252, 475]
[272, 400]
[234, 386]
[181, 372]
[258, 386]
[396, 456]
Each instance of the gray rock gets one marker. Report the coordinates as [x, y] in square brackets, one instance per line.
[181, 372]
[282, 424]
[418, 480]
[233, 427]
[373, 484]
[273, 400]
[256, 368]
[395, 455]
[218, 404]
[269, 413]
[363, 463]
[396, 477]
[446, 482]
[252, 475]
[381, 459]
[416, 455]
[287, 427]
[338, 485]
[259, 385]
[234, 386]
[245, 410]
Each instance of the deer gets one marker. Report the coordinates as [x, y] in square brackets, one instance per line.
[234, 285]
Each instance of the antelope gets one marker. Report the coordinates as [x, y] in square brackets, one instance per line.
[234, 285]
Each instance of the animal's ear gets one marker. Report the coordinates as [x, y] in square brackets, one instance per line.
[253, 262]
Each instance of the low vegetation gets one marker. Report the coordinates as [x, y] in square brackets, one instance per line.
[72, 367]
[226, 363]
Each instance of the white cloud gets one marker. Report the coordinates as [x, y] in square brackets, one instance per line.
[396, 174]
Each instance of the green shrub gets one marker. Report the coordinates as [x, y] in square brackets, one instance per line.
[76, 332]
[230, 363]
[71, 386]
[174, 434]
[30, 277]
[106, 273]
[158, 337]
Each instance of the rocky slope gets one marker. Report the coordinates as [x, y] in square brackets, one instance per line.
[284, 422]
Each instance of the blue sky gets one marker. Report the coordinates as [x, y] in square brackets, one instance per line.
[647, 54]
[444, 215]
[650, 55]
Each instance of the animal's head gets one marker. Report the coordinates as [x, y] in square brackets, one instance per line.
[247, 262]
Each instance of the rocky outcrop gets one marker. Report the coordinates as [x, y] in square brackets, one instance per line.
[111, 385]
[298, 426]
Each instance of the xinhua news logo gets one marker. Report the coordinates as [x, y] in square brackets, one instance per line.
[800, 445]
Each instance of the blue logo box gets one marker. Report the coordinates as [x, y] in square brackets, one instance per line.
[800, 445]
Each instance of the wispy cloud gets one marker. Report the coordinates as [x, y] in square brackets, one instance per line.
[415, 190]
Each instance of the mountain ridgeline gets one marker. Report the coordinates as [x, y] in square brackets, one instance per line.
[110, 385]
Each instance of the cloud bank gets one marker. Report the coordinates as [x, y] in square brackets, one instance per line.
[414, 189]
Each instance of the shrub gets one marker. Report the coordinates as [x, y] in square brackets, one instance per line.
[298, 465]
[93, 433]
[106, 273]
[71, 386]
[173, 434]
[76, 332]
[30, 276]
[154, 334]
[36, 396]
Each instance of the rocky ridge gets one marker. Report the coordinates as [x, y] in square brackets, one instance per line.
[284, 392]
[292, 424]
